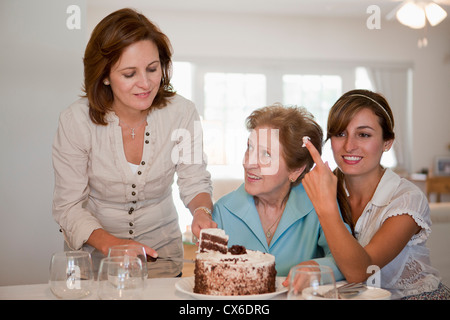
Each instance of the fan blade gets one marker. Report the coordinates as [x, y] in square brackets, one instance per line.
[443, 2]
[391, 14]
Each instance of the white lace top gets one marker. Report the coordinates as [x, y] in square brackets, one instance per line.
[410, 273]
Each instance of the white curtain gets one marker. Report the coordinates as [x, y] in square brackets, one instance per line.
[393, 84]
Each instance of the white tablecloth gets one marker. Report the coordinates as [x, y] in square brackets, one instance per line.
[155, 289]
[158, 289]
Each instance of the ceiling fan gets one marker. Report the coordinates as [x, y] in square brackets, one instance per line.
[415, 13]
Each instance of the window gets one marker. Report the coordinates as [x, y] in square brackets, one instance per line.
[225, 94]
[317, 93]
[228, 99]
[362, 81]
[182, 78]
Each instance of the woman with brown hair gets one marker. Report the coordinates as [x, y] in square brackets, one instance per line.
[390, 217]
[117, 149]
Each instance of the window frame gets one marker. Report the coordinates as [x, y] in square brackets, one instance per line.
[274, 71]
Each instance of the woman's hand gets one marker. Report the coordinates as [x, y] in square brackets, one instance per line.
[102, 241]
[201, 220]
[320, 183]
[299, 283]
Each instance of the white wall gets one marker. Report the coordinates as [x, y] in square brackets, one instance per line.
[345, 40]
[41, 74]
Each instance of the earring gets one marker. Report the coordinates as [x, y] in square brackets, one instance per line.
[291, 180]
[386, 150]
[106, 82]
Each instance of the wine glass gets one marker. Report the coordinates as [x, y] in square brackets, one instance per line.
[121, 278]
[71, 274]
[312, 282]
[132, 250]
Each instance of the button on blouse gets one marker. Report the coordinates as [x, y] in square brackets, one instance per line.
[95, 187]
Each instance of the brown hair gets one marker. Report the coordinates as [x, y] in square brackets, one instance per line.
[293, 124]
[108, 40]
[340, 115]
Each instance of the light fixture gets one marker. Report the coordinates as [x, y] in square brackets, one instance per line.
[411, 15]
[435, 14]
[414, 14]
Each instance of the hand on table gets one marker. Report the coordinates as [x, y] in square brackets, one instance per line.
[299, 283]
[102, 240]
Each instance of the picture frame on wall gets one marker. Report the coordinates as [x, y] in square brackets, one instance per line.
[442, 166]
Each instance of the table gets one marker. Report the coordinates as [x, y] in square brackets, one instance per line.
[155, 289]
[438, 185]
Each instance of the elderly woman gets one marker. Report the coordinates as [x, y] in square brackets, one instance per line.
[271, 212]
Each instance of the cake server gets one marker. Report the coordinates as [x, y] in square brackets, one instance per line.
[151, 259]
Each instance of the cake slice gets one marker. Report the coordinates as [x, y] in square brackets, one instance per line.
[213, 239]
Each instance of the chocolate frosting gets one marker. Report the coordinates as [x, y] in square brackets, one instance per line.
[236, 250]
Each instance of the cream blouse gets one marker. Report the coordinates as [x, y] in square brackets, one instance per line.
[410, 272]
[96, 188]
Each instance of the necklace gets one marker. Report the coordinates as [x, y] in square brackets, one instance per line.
[268, 232]
[132, 129]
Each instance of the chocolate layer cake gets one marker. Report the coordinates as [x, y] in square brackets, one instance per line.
[213, 240]
[235, 272]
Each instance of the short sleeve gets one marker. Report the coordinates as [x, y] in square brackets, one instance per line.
[415, 204]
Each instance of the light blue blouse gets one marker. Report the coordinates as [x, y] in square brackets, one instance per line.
[298, 237]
